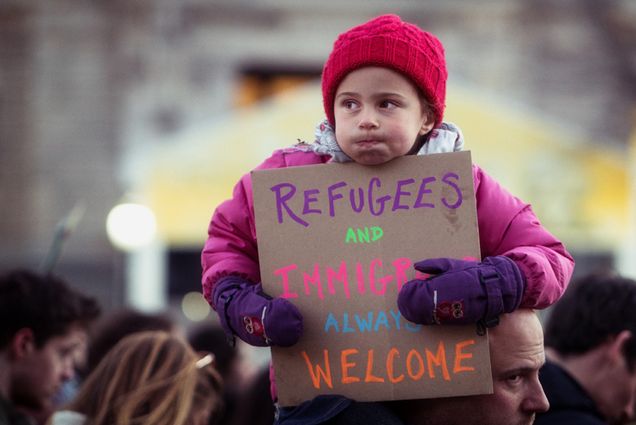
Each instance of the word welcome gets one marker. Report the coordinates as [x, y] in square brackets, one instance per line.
[372, 322]
[349, 366]
[401, 195]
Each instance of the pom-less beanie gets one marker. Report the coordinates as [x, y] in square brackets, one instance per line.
[389, 42]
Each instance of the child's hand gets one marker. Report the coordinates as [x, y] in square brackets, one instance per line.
[462, 292]
[258, 319]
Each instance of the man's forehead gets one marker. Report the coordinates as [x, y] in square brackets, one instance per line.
[75, 336]
[517, 342]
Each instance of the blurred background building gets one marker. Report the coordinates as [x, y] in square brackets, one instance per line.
[164, 104]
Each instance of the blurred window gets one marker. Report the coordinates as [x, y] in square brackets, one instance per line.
[257, 84]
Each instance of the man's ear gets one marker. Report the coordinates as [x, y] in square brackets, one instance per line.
[23, 343]
[617, 345]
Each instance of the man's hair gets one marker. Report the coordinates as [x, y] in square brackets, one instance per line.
[593, 309]
[43, 303]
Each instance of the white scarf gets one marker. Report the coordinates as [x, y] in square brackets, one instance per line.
[447, 138]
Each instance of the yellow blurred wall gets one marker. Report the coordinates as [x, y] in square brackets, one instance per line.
[578, 188]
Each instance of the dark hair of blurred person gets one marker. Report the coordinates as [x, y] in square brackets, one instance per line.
[43, 323]
[596, 307]
[210, 338]
[257, 396]
[590, 339]
[150, 378]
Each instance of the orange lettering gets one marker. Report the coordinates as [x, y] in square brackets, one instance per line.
[389, 365]
[369, 377]
[439, 360]
[409, 369]
[459, 356]
[346, 379]
[315, 376]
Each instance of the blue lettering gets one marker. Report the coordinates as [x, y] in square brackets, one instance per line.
[365, 325]
[331, 322]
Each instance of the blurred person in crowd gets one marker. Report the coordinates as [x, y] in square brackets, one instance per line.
[210, 338]
[150, 378]
[69, 388]
[114, 326]
[257, 401]
[590, 375]
[107, 332]
[43, 323]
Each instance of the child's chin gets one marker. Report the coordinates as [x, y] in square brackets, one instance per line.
[373, 159]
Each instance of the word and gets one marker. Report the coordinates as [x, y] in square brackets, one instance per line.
[350, 366]
[401, 195]
[372, 322]
[364, 235]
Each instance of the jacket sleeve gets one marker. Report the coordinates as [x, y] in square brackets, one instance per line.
[508, 226]
[231, 244]
[231, 248]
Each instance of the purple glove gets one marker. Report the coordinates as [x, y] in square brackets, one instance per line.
[258, 319]
[461, 292]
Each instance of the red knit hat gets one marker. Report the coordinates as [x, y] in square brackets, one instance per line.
[389, 42]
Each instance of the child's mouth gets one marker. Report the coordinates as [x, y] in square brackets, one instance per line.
[367, 143]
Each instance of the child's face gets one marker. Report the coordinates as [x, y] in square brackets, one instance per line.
[379, 115]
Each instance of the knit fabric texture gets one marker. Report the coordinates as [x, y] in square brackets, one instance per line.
[389, 42]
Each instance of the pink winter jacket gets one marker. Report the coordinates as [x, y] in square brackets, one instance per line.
[507, 226]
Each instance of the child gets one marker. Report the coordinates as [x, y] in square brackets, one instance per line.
[384, 86]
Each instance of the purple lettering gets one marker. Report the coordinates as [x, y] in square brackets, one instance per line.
[352, 197]
[333, 196]
[309, 197]
[281, 202]
[446, 179]
[419, 203]
[381, 201]
[399, 193]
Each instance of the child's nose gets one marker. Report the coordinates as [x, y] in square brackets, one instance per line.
[368, 120]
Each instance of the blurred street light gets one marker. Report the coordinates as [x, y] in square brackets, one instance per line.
[131, 226]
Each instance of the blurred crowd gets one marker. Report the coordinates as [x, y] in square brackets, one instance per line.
[63, 361]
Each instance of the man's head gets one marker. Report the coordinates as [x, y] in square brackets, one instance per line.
[516, 355]
[42, 323]
[590, 332]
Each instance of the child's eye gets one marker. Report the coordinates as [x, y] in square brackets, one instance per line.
[388, 104]
[349, 104]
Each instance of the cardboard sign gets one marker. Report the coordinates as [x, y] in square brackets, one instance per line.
[339, 241]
